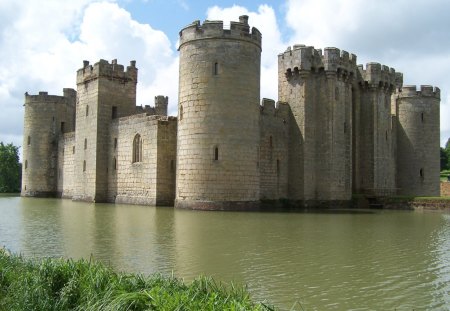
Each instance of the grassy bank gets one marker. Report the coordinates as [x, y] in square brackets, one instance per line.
[57, 284]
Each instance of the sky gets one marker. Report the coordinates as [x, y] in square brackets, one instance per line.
[44, 42]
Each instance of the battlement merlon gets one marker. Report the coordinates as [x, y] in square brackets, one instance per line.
[43, 97]
[378, 75]
[278, 109]
[104, 69]
[214, 30]
[305, 58]
[425, 91]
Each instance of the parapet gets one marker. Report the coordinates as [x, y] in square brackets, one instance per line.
[43, 97]
[376, 74]
[306, 58]
[425, 91]
[215, 30]
[161, 104]
[280, 109]
[104, 69]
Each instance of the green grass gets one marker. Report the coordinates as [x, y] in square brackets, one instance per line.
[58, 284]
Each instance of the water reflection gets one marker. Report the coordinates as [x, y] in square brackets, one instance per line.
[335, 261]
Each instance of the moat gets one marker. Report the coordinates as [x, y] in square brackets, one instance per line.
[335, 260]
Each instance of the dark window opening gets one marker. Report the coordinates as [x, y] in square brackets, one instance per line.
[73, 149]
[386, 135]
[421, 173]
[85, 143]
[114, 163]
[336, 93]
[84, 166]
[115, 143]
[63, 125]
[270, 142]
[137, 148]
[26, 164]
[278, 167]
[87, 110]
[216, 68]
[422, 117]
[172, 165]
[181, 112]
[345, 127]
[29, 141]
[216, 153]
[114, 112]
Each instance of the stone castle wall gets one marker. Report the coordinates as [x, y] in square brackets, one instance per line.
[66, 165]
[418, 141]
[273, 150]
[338, 129]
[218, 124]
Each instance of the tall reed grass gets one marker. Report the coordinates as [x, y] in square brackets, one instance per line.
[65, 284]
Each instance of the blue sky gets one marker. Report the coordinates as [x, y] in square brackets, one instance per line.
[44, 42]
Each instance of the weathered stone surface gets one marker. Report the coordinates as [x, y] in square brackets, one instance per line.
[337, 129]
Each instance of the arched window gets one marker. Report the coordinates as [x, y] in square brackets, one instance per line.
[137, 148]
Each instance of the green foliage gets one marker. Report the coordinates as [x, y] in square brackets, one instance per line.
[57, 284]
[10, 168]
[444, 159]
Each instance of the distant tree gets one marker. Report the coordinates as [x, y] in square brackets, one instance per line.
[444, 160]
[10, 168]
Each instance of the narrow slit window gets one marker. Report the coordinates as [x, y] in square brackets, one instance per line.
[114, 163]
[270, 141]
[85, 143]
[172, 165]
[73, 150]
[26, 164]
[63, 125]
[216, 153]
[115, 143]
[278, 167]
[421, 173]
[84, 166]
[87, 110]
[114, 112]
[181, 112]
[29, 140]
[422, 117]
[216, 68]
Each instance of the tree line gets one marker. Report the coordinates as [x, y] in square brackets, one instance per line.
[10, 168]
[445, 156]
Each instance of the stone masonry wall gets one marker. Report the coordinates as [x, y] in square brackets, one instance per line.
[418, 141]
[273, 151]
[66, 156]
[150, 181]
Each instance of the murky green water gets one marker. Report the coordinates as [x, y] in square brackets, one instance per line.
[370, 260]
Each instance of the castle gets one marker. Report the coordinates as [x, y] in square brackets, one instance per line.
[337, 129]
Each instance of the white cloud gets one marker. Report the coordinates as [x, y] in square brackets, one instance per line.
[266, 22]
[46, 42]
[410, 36]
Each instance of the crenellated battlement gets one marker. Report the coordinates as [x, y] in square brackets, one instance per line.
[376, 74]
[278, 109]
[43, 97]
[108, 70]
[301, 58]
[215, 29]
[425, 91]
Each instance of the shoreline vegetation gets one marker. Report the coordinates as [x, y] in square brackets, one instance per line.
[66, 284]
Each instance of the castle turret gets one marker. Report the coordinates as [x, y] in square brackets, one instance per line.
[161, 103]
[318, 88]
[47, 117]
[218, 116]
[375, 163]
[106, 91]
[418, 141]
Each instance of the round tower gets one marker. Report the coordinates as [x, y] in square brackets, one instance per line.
[218, 116]
[418, 135]
[46, 117]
